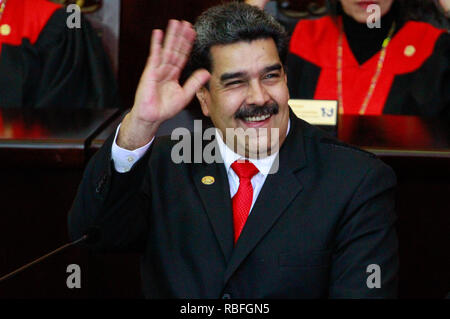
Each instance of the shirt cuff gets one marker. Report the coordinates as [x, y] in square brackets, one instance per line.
[125, 159]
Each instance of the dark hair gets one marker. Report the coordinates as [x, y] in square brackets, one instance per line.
[230, 23]
[405, 10]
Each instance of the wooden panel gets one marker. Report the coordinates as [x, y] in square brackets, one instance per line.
[419, 152]
[42, 157]
[49, 137]
[33, 222]
[396, 135]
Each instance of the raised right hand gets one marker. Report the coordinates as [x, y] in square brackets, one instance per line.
[160, 96]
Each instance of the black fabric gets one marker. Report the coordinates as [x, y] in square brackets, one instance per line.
[365, 42]
[423, 92]
[65, 68]
[304, 72]
[426, 91]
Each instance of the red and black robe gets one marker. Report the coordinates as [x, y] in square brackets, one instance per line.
[415, 79]
[44, 63]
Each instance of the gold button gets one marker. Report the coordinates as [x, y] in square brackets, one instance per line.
[5, 29]
[208, 180]
[410, 50]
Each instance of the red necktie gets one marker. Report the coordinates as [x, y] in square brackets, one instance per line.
[242, 200]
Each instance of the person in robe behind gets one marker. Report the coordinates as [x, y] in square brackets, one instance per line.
[400, 65]
[46, 60]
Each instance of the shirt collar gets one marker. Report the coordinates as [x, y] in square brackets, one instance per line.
[229, 156]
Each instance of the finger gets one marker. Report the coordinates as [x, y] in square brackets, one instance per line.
[179, 45]
[184, 44]
[179, 56]
[170, 40]
[156, 48]
[172, 31]
[176, 59]
[195, 82]
[185, 39]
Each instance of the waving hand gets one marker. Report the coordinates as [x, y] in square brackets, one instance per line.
[160, 96]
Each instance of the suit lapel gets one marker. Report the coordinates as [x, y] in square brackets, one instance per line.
[277, 193]
[217, 202]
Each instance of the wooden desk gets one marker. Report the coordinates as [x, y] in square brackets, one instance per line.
[411, 145]
[42, 156]
[397, 136]
[50, 138]
[419, 152]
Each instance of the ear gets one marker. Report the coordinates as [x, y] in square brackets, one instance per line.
[203, 98]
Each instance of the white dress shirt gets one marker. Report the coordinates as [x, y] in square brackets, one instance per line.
[124, 160]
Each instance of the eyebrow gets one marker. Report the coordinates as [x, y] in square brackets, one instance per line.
[227, 76]
[275, 67]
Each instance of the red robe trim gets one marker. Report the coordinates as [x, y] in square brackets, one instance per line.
[26, 19]
[316, 41]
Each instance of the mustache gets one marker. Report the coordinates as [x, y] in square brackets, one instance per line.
[271, 108]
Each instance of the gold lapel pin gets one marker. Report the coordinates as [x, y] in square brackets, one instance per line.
[208, 180]
[5, 29]
[410, 50]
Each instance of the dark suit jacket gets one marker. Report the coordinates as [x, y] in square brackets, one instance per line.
[318, 223]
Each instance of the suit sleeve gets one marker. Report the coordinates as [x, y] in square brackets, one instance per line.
[113, 203]
[365, 258]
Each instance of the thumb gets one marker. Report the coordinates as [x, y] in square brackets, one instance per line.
[195, 82]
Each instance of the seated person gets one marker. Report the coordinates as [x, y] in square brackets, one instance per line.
[44, 63]
[301, 215]
[402, 67]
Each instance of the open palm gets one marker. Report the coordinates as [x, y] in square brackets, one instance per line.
[159, 95]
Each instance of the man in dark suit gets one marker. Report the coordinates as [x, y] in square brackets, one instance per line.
[313, 218]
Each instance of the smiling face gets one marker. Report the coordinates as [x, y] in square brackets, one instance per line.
[357, 9]
[248, 93]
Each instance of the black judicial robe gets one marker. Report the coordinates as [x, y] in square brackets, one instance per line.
[43, 63]
[415, 79]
